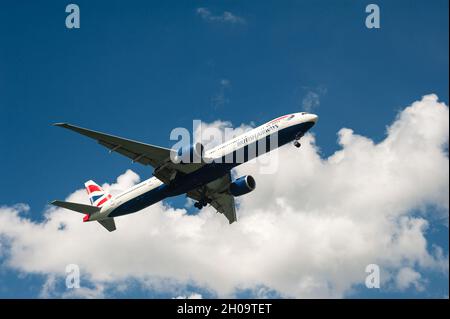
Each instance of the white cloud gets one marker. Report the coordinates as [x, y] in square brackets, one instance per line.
[220, 99]
[408, 277]
[191, 296]
[48, 287]
[217, 132]
[311, 99]
[226, 16]
[307, 231]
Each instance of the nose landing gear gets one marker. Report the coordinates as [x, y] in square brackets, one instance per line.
[297, 139]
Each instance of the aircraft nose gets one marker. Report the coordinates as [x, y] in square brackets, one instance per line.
[313, 118]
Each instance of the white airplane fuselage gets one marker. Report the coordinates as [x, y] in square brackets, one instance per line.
[287, 128]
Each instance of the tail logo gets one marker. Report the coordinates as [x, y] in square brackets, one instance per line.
[96, 194]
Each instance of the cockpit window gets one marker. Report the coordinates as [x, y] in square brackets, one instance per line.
[290, 117]
[303, 113]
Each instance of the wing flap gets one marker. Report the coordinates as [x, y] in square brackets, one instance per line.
[224, 203]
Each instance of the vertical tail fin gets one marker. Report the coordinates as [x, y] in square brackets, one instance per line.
[97, 195]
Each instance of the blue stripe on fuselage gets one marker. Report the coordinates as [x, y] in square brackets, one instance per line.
[149, 198]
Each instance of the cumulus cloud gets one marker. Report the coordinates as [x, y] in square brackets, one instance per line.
[53, 288]
[217, 132]
[309, 230]
[225, 17]
[408, 277]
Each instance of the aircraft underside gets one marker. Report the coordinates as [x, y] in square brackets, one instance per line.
[207, 181]
[208, 173]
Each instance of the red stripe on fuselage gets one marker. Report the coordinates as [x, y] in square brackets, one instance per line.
[102, 201]
[281, 117]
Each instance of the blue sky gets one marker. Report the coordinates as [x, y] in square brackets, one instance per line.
[139, 68]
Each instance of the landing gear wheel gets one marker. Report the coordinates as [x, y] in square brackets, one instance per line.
[200, 204]
[297, 144]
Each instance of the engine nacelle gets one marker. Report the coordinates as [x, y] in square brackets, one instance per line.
[191, 153]
[242, 185]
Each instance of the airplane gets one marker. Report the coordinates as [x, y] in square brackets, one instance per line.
[204, 176]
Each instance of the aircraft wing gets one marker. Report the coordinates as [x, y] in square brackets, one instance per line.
[218, 196]
[224, 203]
[146, 154]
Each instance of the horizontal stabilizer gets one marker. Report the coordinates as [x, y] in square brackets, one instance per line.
[108, 223]
[80, 208]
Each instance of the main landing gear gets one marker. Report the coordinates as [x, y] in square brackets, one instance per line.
[204, 200]
[297, 139]
[200, 204]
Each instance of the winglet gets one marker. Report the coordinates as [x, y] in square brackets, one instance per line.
[61, 124]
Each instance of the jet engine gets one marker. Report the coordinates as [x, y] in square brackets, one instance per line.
[242, 185]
